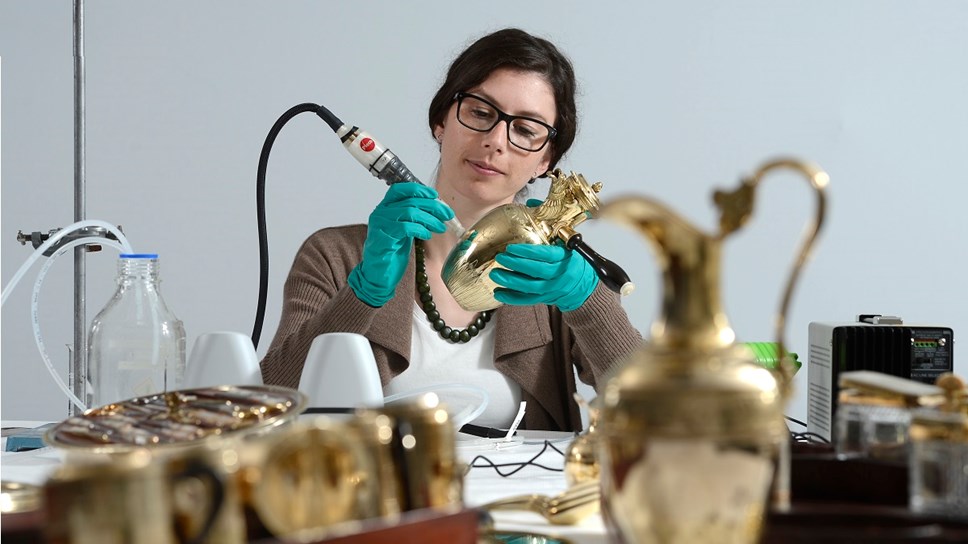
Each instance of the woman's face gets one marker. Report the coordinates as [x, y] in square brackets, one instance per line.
[483, 167]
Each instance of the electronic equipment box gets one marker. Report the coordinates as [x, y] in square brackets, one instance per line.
[874, 342]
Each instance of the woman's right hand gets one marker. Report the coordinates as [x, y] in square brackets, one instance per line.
[409, 210]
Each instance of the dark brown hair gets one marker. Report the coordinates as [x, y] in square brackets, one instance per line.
[515, 49]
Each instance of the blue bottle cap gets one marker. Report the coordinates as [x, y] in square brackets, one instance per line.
[139, 255]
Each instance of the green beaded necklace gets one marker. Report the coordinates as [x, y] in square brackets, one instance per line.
[429, 308]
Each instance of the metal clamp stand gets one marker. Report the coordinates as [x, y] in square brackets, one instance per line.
[76, 377]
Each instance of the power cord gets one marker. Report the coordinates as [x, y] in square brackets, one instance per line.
[805, 437]
[519, 465]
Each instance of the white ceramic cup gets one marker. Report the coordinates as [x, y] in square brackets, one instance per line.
[222, 358]
[340, 373]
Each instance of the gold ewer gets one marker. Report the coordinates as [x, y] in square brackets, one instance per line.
[570, 201]
[692, 435]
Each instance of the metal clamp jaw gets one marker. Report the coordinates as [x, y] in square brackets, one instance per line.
[37, 238]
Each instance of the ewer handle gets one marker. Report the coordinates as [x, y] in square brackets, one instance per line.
[736, 208]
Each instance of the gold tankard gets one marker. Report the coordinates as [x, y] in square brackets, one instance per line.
[128, 499]
[415, 447]
[309, 480]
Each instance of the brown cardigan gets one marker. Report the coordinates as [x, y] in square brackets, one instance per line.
[536, 346]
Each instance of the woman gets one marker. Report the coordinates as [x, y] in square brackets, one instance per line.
[505, 115]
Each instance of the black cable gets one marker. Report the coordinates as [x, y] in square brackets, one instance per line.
[483, 432]
[808, 437]
[797, 421]
[805, 436]
[552, 446]
[520, 465]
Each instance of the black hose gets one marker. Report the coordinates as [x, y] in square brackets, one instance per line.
[260, 204]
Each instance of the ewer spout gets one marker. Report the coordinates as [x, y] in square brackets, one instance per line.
[691, 316]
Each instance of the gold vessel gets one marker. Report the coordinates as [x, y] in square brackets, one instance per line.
[130, 498]
[692, 435]
[309, 480]
[581, 455]
[466, 269]
[415, 449]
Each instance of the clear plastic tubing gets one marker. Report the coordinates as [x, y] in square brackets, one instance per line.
[54, 239]
[34, 306]
[465, 416]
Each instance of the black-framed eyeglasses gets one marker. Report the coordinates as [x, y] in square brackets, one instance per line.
[480, 115]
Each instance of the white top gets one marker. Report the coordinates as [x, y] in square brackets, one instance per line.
[438, 362]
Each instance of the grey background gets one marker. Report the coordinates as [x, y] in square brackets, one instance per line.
[678, 99]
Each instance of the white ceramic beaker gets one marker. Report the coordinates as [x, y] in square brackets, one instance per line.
[340, 374]
[222, 358]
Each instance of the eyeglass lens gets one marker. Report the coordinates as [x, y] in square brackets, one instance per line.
[481, 116]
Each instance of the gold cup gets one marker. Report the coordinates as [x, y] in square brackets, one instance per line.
[374, 429]
[310, 480]
[126, 499]
[223, 459]
[415, 447]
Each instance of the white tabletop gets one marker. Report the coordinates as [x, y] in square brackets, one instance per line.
[483, 483]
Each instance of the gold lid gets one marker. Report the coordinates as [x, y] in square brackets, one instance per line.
[19, 497]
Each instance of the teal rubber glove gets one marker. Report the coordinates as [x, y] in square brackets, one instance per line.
[407, 211]
[542, 274]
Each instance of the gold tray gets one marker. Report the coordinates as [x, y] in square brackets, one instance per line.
[177, 418]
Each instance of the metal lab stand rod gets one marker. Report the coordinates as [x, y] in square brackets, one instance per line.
[78, 369]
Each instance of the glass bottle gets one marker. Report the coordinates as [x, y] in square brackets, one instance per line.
[136, 345]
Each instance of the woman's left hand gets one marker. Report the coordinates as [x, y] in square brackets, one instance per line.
[543, 274]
